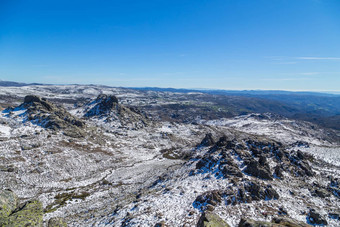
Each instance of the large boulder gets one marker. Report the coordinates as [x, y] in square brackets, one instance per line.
[259, 192]
[207, 141]
[29, 214]
[32, 98]
[8, 203]
[254, 168]
[315, 218]
[209, 219]
[212, 198]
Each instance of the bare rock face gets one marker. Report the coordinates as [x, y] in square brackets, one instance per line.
[212, 198]
[209, 219]
[32, 98]
[8, 202]
[11, 214]
[46, 114]
[207, 141]
[315, 218]
[104, 104]
[255, 169]
[107, 107]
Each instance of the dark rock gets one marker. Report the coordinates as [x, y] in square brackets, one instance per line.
[300, 155]
[335, 216]
[282, 211]
[255, 169]
[161, 224]
[231, 170]
[104, 103]
[207, 162]
[207, 140]
[209, 219]
[211, 197]
[43, 113]
[258, 192]
[322, 193]
[32, 98]
[263, 161]
[278, 172]
[106, 107]
[306, 168]
[224, 142]
[315, 218]
[270, 193]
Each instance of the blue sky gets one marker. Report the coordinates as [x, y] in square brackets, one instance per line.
[221, 44]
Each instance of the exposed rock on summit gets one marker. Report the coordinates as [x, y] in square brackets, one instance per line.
[44, 113]
[107, 107]
[104, 104]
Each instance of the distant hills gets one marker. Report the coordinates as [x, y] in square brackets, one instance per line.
[317, 107]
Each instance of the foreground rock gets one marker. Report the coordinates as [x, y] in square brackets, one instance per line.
[28, 214]
[209, 219]
[8, 202]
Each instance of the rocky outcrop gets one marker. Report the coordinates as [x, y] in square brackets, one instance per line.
[107, 107]
[208, 199]
[103, 105]
[43, 113]
[29, 213]
[258, 169]
[8, 203]
[315, 218]
[209, 219]
[207, 141]
[245, 192]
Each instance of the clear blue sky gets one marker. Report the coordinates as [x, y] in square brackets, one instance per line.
[222, 44]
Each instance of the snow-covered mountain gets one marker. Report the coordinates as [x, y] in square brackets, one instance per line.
[94, 156]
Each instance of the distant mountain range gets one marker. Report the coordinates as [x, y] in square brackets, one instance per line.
[317, 107]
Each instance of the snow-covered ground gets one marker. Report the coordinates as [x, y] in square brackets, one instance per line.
[111, 172]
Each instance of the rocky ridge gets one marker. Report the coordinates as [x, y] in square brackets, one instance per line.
[41, 112]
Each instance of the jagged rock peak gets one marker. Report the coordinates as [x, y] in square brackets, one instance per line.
[32, 98]
[207, 141]
[107, 99]
[36, 100]
[103, 105]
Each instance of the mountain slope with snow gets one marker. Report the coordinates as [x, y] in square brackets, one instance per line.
[132, 168]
